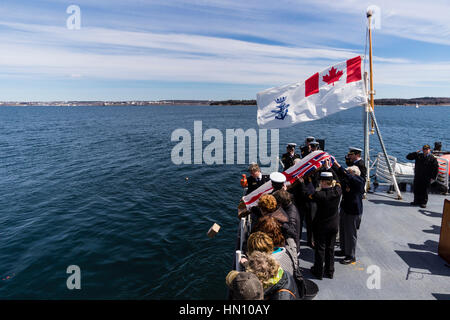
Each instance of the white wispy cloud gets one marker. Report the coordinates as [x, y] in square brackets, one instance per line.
[177, 56]
[132, 41]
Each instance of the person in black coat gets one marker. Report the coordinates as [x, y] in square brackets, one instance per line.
[306, 148]
[306, 207]
[351, 211]
[325, 224]
[285, 289]
[256, 178]
[425, 171]
[288, 158]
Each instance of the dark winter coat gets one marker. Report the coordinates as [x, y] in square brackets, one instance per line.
[327, 200]
[285, 289]
[253, 184]
[352, 196]
[426, 167]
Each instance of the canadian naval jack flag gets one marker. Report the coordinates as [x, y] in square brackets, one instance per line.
[335, 89]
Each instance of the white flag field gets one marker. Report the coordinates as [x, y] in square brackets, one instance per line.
[335, 89]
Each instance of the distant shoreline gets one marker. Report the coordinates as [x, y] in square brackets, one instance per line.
[426, 101]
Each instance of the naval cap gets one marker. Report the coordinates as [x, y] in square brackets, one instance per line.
[292, 144]
[277, 177]
[314, 143]
[354, 150]
[326, 175]
[309, 139]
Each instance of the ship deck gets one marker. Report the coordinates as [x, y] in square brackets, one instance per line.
[402, 241]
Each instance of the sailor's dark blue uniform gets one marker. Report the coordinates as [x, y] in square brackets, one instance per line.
[288, 159]
[360, 164]
[254, 184]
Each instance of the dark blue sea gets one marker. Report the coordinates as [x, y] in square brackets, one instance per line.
[96, 187]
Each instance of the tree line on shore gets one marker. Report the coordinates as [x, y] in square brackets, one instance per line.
[381, 102]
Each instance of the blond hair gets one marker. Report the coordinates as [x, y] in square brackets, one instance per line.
[264, 266]
[259, 241]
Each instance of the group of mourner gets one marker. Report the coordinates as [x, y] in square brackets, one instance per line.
[328, 203]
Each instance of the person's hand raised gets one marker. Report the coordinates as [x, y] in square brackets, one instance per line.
[337, 163]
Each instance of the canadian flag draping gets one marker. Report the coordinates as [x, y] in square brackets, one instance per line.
[335, 89]
[308, 164]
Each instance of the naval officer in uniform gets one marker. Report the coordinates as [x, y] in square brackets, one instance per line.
[314, 146]
[288, 158]
[351, 211]
[354, 158]
[306, 149]
[256, 178]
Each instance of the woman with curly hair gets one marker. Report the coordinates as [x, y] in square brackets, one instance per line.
[277, 284]
[286, 256]
[267, 203]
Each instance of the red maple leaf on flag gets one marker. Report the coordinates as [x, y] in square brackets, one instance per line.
[333, 76]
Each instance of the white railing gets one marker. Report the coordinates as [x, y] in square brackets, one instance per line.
[404, 172]
[382, 172]
[244, 232]
[245, 225]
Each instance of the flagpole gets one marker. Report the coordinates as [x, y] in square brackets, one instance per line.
[371, 92]
[366, 136]
[372, 113]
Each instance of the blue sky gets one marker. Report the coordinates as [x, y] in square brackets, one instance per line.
[215, 49]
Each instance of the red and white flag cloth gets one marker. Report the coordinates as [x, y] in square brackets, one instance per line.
[335, 89]
[308, 164]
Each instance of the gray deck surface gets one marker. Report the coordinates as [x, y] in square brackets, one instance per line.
[402, 241]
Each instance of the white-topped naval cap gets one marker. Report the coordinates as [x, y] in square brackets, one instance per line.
[326, 175]
[277, 177]
[314, 143]
[292, 144]
[353, 149]
[310, 138]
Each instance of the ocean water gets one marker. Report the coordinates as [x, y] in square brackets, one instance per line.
[95, 187]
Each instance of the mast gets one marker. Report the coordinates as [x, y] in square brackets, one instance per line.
[371, 92]
[370, 110]
[366, 135]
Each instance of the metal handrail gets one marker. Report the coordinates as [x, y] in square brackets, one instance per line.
[443, 173]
